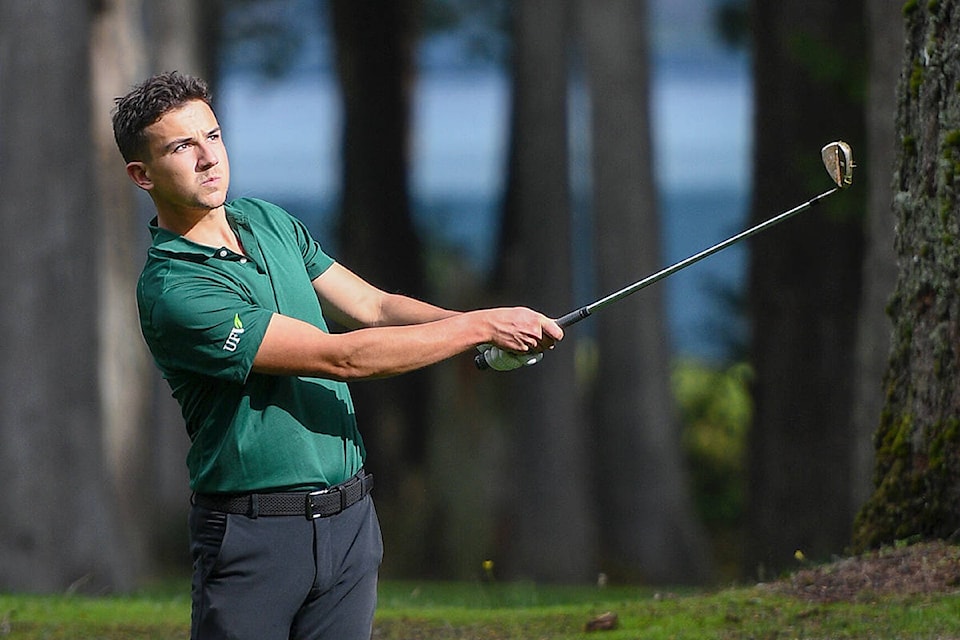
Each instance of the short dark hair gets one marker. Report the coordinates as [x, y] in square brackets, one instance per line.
[147, 103]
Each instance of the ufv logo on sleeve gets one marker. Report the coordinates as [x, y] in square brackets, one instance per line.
[233, 340]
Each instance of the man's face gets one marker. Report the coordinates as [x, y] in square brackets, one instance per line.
[187, 168]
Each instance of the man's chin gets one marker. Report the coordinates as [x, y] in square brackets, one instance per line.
[214, 201]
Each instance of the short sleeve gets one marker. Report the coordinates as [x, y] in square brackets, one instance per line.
[204, 327]
[315, 259]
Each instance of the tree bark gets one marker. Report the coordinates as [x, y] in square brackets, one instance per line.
[549, 533]
[379, 241]
[182, 35]
[880, 265]
[126, 370]
[804, 281]
[59, 530]
[647, 527]
[917, 472]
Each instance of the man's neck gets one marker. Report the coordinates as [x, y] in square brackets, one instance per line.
[206, 227]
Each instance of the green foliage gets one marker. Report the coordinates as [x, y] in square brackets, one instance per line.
[829, 65]
[716, 411]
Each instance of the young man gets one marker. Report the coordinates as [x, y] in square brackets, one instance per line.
[233, 300]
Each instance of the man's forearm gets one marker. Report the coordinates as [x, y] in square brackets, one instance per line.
[397, 310]
[293, 347]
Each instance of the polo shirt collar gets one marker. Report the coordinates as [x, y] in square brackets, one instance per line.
[172, 243]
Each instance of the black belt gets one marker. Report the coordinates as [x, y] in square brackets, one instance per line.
[310, 504]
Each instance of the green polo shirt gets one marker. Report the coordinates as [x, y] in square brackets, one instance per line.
[203, 313]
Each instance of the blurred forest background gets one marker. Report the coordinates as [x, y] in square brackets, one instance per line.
[537, 152]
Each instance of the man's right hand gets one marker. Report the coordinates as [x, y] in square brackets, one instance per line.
[520, 330]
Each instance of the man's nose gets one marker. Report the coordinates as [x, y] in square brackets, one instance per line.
[207, 156]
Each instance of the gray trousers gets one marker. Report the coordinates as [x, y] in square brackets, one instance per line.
[285, 577]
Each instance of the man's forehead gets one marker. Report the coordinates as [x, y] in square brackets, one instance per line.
[184, 120]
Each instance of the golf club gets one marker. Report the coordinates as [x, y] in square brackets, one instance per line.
[838, 161]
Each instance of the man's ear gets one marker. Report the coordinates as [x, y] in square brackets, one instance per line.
[138, 173]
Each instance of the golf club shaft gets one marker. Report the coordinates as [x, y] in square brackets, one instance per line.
[576, 316]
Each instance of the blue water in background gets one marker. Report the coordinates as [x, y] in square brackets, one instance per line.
[284, 145]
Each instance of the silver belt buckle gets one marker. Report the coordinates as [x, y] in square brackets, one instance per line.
[308, 508]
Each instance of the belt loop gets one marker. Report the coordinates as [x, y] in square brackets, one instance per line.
[254, 506]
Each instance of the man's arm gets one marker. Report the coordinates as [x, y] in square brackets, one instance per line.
[353, 302]
[394, 334]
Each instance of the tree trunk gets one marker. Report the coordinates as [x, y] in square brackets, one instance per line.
[378, 241]
[126, 369]
[804, 281]
[59, 529]
[183, 35]
[647, 527]
[918, 442]
[549, 534]
[145, 441]
[880, 266]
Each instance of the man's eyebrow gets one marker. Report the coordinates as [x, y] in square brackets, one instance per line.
[176, 142]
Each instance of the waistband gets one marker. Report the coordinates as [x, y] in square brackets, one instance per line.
[322, 503]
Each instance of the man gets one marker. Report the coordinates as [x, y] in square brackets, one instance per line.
[233, 303]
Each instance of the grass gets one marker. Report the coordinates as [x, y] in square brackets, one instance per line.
[434, 611]
[141, 617]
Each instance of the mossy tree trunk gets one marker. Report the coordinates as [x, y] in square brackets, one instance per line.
[917, 477]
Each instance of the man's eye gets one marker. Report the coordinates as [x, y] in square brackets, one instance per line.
[181, 146]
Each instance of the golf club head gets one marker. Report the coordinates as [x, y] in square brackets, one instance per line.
[838, 160]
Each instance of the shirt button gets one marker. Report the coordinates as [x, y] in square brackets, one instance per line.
[223, 253]
[243, 261]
